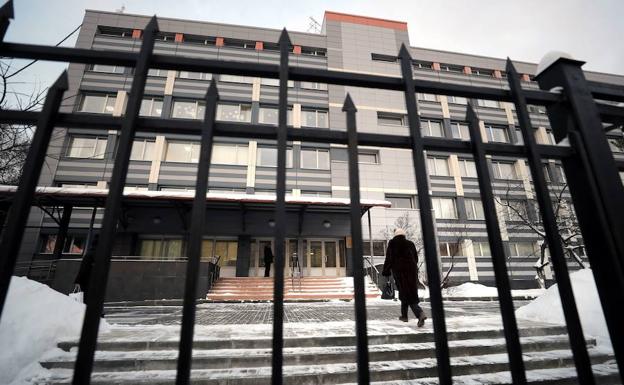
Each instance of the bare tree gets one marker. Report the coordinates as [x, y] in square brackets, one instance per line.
[517, 213]
[15, 139]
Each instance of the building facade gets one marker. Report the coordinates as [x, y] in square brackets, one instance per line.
[149, 253]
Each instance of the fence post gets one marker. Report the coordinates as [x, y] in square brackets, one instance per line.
[61, 235]
[22, 200]
[595, 186]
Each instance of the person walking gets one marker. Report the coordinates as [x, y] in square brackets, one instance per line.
[402, 262]
[268, 260]
[86, 266]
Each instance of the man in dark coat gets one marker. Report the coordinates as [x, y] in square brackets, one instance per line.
[86, 266]
[402, 262]
[268, 260]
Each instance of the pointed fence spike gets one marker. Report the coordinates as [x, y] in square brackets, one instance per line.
[61, 83]
[7, 10]
[212, 95]
[510, 68]
[404, 52]
[284, 38]
[348, 105]
[152, 25]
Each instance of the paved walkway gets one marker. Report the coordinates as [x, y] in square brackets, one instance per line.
[262, 313]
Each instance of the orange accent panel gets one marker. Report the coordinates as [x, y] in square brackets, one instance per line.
[467, 70]
[259, 46]
[526, 78]
[219, 42]
[435, 66]
[179, 37]
[297, 50]
[498, 74]
[136, 33]
[365, 20]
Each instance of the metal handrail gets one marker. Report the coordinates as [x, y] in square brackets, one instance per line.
[372, 270]
[293, 275]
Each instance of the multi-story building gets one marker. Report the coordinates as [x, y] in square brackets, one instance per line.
[148, 261]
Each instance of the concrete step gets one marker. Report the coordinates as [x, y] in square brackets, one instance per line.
[424, 336]
[246, 358]
[340, 373]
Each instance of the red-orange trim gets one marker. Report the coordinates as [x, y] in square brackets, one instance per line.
[297, 50]
[136, 33]
[498, 74]
[435, 66]
[179, 37]
[259, 46]
[467, 70]
[365, 20]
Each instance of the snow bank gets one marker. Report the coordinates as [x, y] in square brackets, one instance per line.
[547, 307]
[34, 319]
[470, 289]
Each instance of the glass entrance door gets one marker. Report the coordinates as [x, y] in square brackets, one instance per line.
[322, 258]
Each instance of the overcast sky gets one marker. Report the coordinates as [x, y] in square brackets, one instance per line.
[523, 30]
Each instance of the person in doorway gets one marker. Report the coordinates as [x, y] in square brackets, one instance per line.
[86, 266]
[402, 263]
[268, 260]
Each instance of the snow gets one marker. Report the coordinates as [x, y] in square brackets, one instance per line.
[547, 307]
[549, 59]
[470, 290]
[34, 319]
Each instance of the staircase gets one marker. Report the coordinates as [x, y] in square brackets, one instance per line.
[236, 289]
[404, 355]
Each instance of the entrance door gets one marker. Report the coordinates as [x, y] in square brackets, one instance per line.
[322, 258]
[256, 262]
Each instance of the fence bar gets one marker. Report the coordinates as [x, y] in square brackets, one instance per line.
[596, 190]
[62, 232]
[355, 212]
[427, 222]
[20, 208]
[99, 275]
[553, 237]
[280, 214]
[512, 337]
[198, 219]
[6, 13]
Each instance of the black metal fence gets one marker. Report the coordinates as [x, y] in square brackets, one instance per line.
[590, 169]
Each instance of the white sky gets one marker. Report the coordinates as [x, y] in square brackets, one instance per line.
[523, 30]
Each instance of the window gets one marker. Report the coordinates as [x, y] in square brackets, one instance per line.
[235, 79]
[431, 128]
[108, 69]
[481, 249]
[200, 40]
[482, 72]
[275, 82]
[267, 157]
[230, 154]
[151, 107]
[460, 130]
[497, 134]
[488, 103]
[112, 31]
[157, 72]
[423, 65]
[522, 249]
[234, 112]
[194, 75]
[188, 109]
[519, 137]
[314, 118]
[367, 157]
[561, 178]
[74, 244]
[449, 249]
[315, 158]
[165, 249]
[313, 51]
[234, 43]
[547, 175]
[400, 201]
[386, 58]
[85, 147]
[513, 209]
[323, 194]
[427, 97]
[379, 248]
[269, 115]
[474, 209]
[467, 168]
[163, 36]
[226, 251]
[313, 86]
[444, 208]
[187, 152]
[504, 170]
[388, 119]
[536, 109]
[457, 100]
[438, 166]
[451, 68]
[142, 149]
[100, 104]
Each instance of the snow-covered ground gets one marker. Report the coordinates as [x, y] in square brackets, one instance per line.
[34, 319]
[547, 307]
[476, 290]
